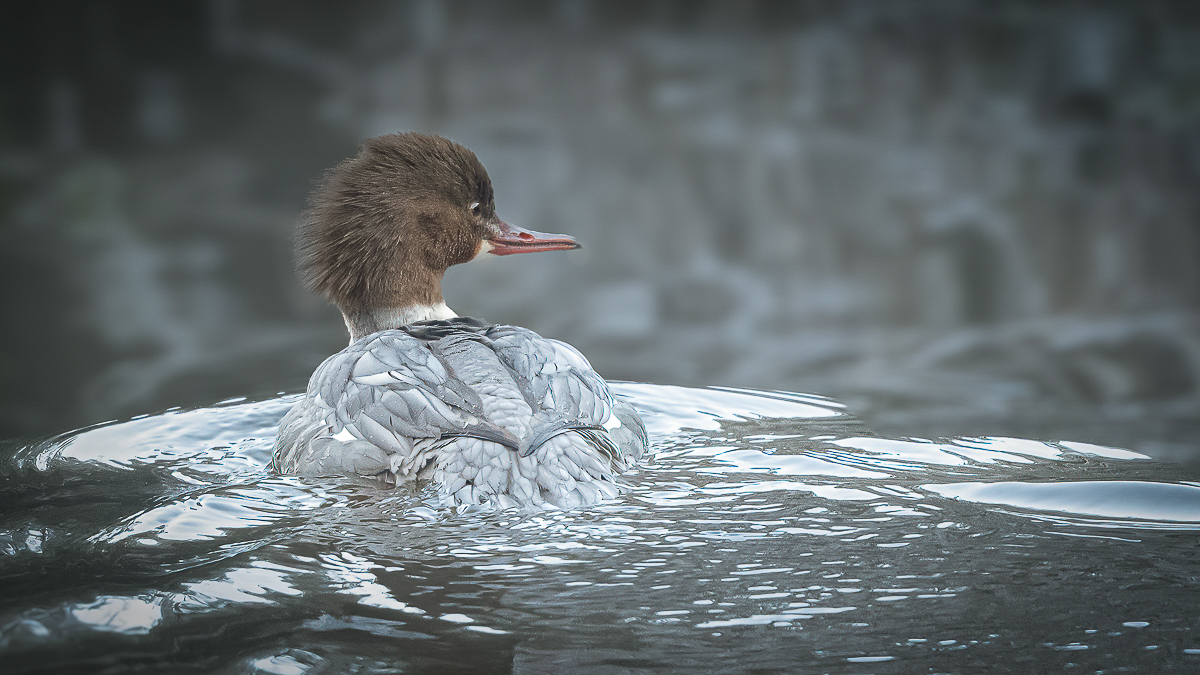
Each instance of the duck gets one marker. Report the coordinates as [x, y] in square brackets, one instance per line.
[489, 414]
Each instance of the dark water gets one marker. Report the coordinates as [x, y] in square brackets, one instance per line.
[769, 533]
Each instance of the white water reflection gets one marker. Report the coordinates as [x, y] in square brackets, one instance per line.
[218, 512]
[667, 409]
[256, 584]
[757, 461]
[1114, 499]
[132, 616]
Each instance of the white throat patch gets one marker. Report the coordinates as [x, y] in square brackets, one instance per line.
[395, 317]
[399, 316]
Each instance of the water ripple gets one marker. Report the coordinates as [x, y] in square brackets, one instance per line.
[764, 525]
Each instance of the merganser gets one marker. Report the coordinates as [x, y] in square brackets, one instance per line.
[492, 414]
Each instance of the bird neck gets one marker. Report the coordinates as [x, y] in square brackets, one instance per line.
[386, 318]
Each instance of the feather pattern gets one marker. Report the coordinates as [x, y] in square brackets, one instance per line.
[491, 413]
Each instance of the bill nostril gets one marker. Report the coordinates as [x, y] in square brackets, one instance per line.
[526, 236]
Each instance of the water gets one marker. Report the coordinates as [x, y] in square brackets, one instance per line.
[768, 533]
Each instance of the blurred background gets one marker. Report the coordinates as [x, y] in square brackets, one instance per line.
[958, 217]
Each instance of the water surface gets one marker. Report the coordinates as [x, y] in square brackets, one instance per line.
[769, 532]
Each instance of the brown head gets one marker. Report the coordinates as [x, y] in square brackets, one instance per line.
[381, 228]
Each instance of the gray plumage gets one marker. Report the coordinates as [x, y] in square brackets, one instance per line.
[492, 414]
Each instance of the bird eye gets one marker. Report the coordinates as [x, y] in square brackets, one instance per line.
[475, 208]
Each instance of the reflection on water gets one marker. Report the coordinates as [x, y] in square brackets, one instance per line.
[769, 532]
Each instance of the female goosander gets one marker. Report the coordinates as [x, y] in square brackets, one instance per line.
[491, 414]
